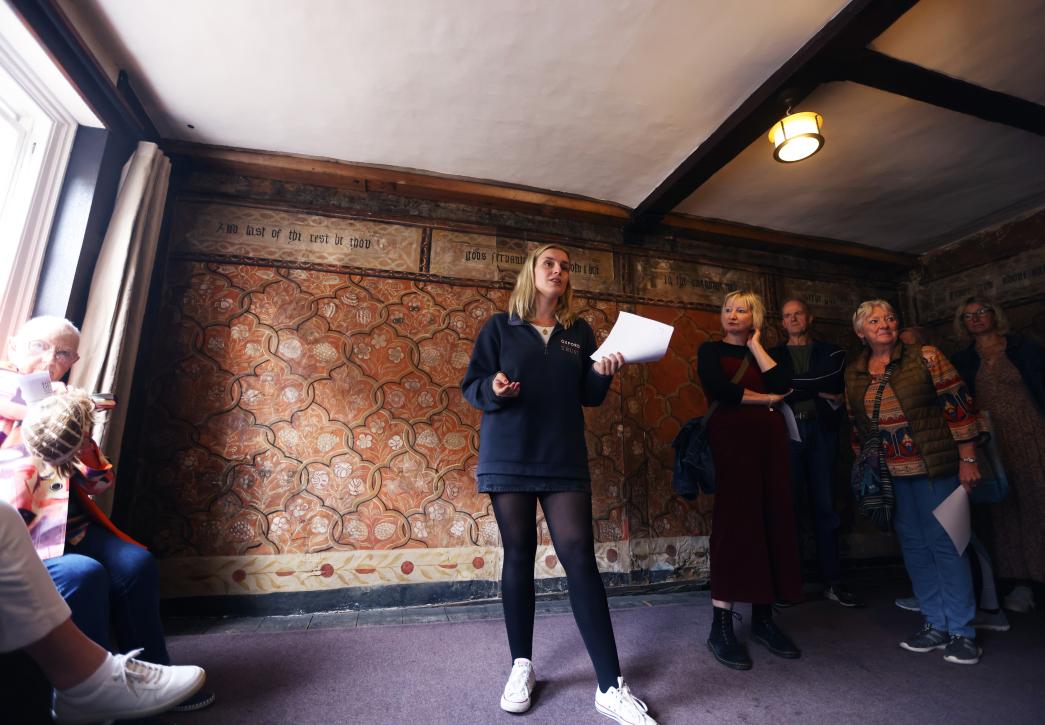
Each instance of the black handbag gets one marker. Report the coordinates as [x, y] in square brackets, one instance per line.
[870, 479]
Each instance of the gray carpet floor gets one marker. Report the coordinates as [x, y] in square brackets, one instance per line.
[452, 669]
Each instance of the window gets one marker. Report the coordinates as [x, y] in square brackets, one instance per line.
[37, 129]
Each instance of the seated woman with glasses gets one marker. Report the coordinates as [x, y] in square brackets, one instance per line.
[1006, 373]
[97, 568]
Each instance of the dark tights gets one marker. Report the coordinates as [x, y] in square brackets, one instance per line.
[569, 520]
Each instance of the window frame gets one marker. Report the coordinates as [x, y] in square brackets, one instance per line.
[18, 291]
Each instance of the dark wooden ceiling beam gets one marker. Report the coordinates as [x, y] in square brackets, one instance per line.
[875, 70]
[716, 230]
[860, 22]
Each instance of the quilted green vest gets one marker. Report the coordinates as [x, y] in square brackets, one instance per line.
[913, 386]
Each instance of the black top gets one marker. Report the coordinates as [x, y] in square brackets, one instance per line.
[716, 382]
[826, 374]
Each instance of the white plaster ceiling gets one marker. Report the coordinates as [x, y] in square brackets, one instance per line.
[601, 98]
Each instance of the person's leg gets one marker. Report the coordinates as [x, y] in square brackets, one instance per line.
[785, 582]
[916, 555]
[957, 600]
[30, 607]
[822, 447]
[135, 592]
[569, 520]
[797, 463]
[84, 584]
[516, 518]
[988, 587]
[66, 655]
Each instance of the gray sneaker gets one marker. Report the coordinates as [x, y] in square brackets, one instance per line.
[908, 603]
[995, 621]
[926, 639]
[962, 651]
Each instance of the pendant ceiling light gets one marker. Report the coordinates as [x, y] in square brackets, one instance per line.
[796, 136]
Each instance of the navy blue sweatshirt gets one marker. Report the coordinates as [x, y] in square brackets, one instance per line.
[540, 432]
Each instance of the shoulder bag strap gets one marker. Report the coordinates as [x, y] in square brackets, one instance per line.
[883, 468]
[744, 364]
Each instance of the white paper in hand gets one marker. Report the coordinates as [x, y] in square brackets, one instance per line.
[638, 339]
[954, 516]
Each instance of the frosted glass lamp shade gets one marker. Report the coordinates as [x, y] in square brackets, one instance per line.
[797, 136]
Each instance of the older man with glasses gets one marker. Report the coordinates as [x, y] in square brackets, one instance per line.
[97, 568]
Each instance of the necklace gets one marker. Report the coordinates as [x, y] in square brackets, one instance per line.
[545, 328]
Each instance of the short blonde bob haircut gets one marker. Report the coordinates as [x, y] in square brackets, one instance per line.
[524, 296]
[864, 311]
[1001, 322]
[753, 302]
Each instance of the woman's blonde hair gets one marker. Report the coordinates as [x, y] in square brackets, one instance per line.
[524, 296]
[1001, 322]
[754, 303]
[865, 309]
[57, 427]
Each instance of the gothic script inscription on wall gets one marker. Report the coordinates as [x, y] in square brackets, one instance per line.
[487, 257]
[244, 231]
[688, 282]
[828, 300]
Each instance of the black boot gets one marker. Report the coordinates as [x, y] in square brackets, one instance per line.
[724, 644]
[765, 631]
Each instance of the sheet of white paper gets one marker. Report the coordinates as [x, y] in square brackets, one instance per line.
[638, 339]
[953, 515]
[35, 387]
[792, 424]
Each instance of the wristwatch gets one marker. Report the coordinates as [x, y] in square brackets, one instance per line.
[971, 459]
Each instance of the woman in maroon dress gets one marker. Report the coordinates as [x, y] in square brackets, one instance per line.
[754, 550]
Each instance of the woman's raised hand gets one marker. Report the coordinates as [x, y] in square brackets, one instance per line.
[755, 339]
[610, 364]
[503, 387]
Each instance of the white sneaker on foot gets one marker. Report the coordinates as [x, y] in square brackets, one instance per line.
[1020, 599]
[516, 697]
[130, 689]
[618, 703]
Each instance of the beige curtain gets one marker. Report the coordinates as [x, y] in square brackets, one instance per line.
[116, 302]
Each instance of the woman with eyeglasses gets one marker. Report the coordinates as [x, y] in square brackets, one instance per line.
[110, 582]
[1006, 374]
[911, 402]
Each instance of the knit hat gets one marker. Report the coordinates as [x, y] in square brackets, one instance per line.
[56, 428]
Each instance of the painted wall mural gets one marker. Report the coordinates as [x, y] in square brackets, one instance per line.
[306, 432]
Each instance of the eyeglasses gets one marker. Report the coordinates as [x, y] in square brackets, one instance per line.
[42, 347]
[985, 310]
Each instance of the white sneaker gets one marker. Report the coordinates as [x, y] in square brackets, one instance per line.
[132, 689]
[1020, 599]
[516, 697]
[618, 703]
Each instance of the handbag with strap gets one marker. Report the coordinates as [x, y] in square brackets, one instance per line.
[694, 470]
[870, 478]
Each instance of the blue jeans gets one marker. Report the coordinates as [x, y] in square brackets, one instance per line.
[104, 575]
[813, 478]
[941, 577]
